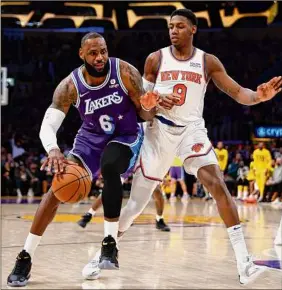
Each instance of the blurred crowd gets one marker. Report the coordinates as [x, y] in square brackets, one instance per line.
[37, 61]
[251, 173]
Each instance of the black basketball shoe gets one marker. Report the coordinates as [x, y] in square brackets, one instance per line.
[86, 218]
[21, 272]
[161, 225]
[109, 254]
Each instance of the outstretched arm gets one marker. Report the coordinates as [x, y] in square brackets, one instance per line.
[224, 82]
[65, 94]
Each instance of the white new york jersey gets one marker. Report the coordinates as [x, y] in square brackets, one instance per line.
[186, 78]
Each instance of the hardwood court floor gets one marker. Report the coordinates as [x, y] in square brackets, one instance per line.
[195, 254]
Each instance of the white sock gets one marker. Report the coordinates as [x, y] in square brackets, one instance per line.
[93, 212]
[111, 228]
[245, 194]
[31, 244]
[158, 217]
[172, 194]
[185, 193]
[237, 239]
[240, 194]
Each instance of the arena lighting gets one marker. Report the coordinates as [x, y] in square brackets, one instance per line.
[99, 8]
[78, 20]
[5, 84]
[227, 21]
[133, 18]
[15, 3]
[24, 18]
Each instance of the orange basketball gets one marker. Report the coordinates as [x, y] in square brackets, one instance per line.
[73, 185]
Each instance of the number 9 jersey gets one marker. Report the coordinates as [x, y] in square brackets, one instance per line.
[188, 79]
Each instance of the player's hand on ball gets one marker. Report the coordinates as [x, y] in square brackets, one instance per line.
[149, 100]
[56, 160]
[267, 91]
[167, 101]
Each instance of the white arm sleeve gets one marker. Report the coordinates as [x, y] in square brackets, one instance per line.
[52, 121]
[148, 86]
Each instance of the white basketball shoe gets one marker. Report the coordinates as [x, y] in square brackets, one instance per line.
[249, 271]
[91, 271]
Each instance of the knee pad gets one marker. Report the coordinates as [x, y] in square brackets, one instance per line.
[115, 159]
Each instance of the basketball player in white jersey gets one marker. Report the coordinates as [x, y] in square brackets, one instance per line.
[186, 70]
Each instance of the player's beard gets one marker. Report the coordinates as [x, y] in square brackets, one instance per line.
[94, 73]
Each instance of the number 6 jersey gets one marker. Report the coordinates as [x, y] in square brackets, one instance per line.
[186, 78]
[107, 108]
[108, 115]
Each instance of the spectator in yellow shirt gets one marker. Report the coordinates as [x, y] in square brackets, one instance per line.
[262, 164]
[222, 156]
[251, 176]
[166, 185]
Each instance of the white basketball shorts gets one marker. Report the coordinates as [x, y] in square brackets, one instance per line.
[163, 142]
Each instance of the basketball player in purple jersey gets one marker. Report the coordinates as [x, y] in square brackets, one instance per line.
[108, 94]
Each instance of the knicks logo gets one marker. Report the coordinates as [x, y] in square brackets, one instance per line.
[197, 147]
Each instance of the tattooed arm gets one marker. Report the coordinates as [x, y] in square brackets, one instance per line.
[224, 82]
[64, 95]
[133, 82]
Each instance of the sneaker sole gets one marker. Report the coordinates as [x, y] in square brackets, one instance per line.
[92, 274]
[82, 225]
[18, 283]
[107, 265]
[164, 230]
[255, 276]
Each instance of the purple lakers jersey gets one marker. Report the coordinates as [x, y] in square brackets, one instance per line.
[107, 108]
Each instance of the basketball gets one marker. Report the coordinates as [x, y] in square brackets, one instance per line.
[73, 185]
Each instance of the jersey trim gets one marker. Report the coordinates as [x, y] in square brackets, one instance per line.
[165, 117]
[81, 77]
[76, 87]
[119, 76]
[166, 121]
[83, 162]
[160, 64]
[181, 60]
[205, 73]
[143, 171]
